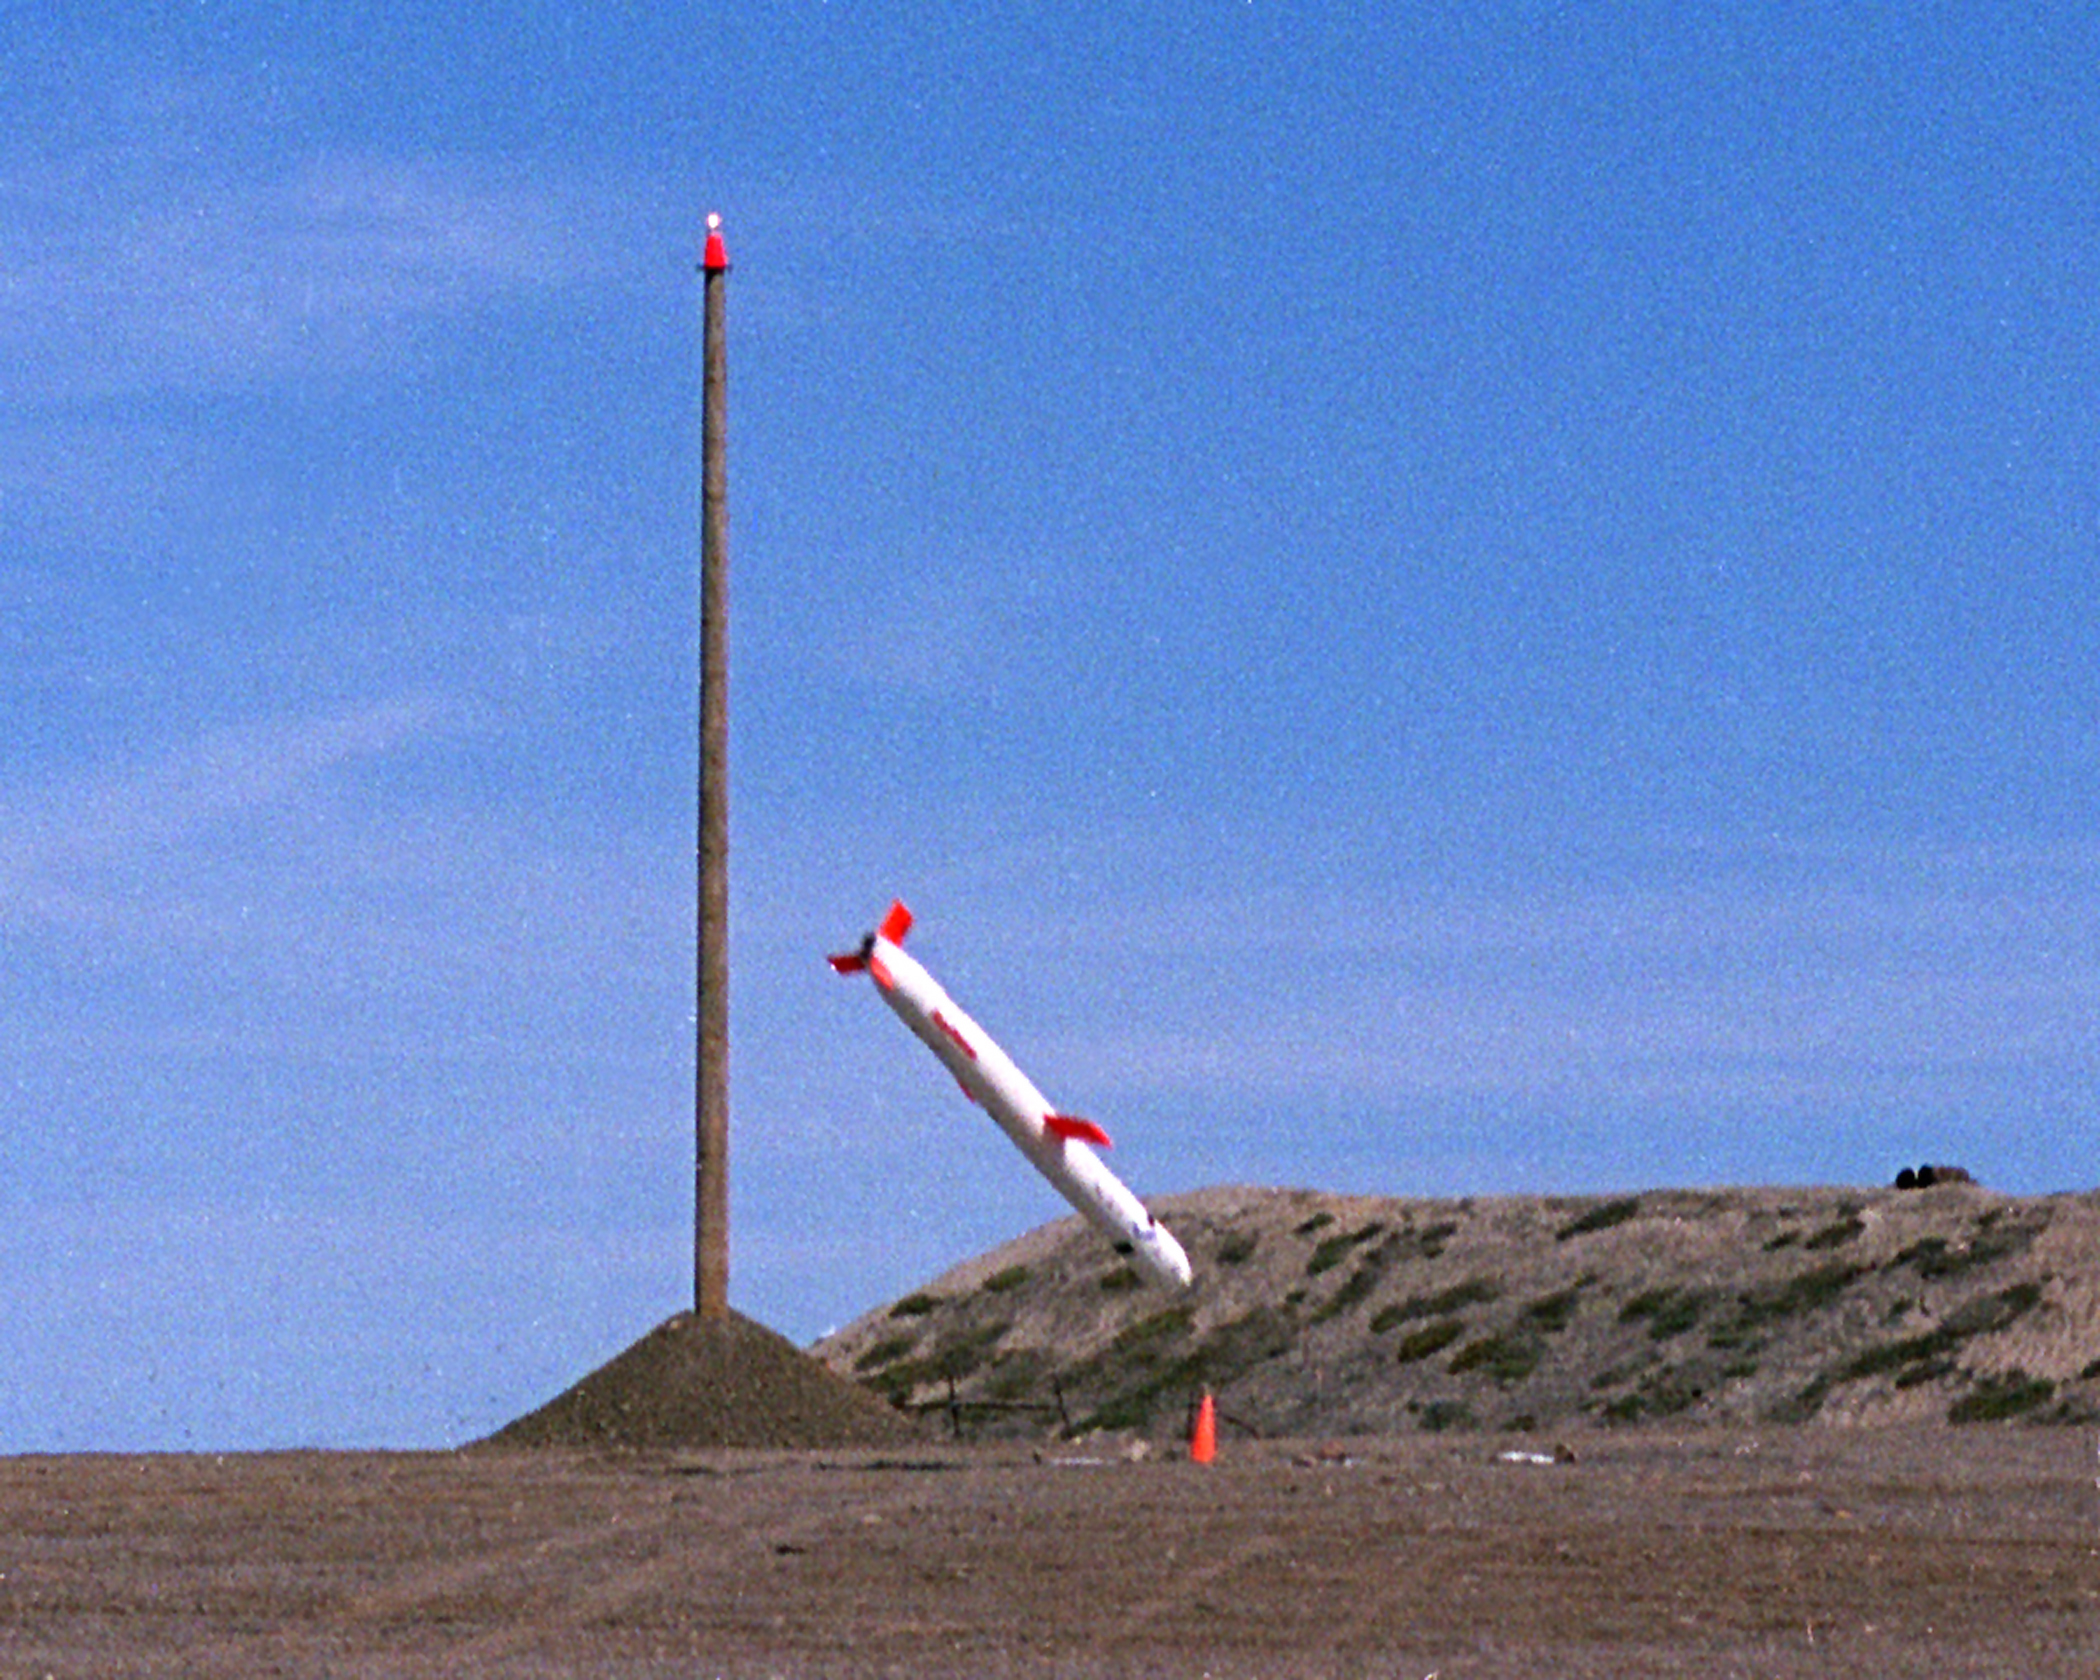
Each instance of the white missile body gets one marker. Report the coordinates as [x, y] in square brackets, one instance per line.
[1060, 1146]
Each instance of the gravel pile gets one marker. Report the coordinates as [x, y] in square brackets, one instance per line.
[694, 1382]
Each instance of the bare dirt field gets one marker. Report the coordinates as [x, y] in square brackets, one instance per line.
[1755, 1552]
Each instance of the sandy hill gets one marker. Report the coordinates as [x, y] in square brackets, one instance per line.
[1318, 1314]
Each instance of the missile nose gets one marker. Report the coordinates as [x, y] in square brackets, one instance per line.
[1169, 1262]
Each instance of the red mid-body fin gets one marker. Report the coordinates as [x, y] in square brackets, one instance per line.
[1071, 1126]
[849, 962]
[896, 924]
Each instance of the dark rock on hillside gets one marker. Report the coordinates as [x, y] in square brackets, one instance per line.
[1925, 1177]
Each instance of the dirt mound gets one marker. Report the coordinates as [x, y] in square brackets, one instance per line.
[1316, 1314]
[694, 1382]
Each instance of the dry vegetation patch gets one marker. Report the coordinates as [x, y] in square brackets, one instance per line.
[1336, 1315]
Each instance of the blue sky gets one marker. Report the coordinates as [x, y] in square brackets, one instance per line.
[1425, 604]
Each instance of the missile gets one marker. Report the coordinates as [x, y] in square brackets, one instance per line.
[1060, 1146]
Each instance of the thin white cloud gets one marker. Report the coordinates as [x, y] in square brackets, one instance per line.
[69, 851]
[158, 264]
[1678, 990]
[257, 899]
[1951, 982]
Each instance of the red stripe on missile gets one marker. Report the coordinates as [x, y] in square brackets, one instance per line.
[954, 1033]
[1071, 1126]
[883, 977]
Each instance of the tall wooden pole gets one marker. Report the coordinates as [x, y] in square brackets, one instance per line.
[711, 1050]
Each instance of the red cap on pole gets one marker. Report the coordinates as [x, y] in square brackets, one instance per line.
[716, 257]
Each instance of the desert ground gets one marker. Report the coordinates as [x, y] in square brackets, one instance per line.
[1790, 1551]
[1741, 1433]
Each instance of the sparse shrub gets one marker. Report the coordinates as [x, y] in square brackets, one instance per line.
[1805, 1292]
[1933, 1257]
[2004, 1396]
[1361, 1282]
[966, 1352]
[950, 1361]
[1508, 1358]
[1925, 1357]
[1142, 1363]
[1672, 1391]
[1242, 1343]
[1600, 1218]
[915, 1306]
[1016, 1374]
[1666, 1393]
[884, 1352]
[1669, 1312]
[1121, 1279]
[1333, 1250]
[1802, 1406]
[1440, 1415]
[1612, 1376]
[1553, 1312]
[1927, 1256]
[1426, 1242]
[1992, 1313]
[1150, 1366]
[1472, 1293]
[1431, 1338]
[1430, 1240]
[1238, 1248]
[1847, 1227]
[1011, 1278]
[1318, 1222]
[1173, 1322]
[1893, 1356]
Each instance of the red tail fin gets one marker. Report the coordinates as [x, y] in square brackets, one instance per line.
[894, 926]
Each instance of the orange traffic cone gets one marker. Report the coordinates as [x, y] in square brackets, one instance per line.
[1203, 1439]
